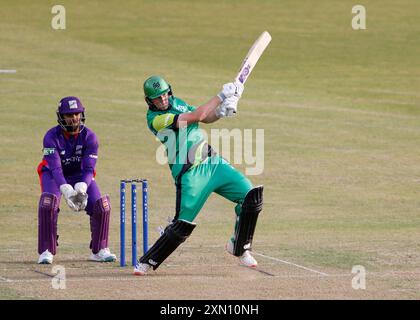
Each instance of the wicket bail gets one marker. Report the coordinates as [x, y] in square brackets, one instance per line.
[133, 183]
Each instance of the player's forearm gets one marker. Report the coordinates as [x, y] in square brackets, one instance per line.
[88, 170]
[88, 165]
[201, 114]
[58, 176]
[87, 177]
[212, 117]
[54, 164]
[209, 110]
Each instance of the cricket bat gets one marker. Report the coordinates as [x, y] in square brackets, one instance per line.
[252, 57]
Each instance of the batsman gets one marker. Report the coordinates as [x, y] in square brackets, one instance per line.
[68, 169]
[198, 171]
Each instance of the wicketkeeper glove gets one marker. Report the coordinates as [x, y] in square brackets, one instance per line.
[81, 197]
[69, 195]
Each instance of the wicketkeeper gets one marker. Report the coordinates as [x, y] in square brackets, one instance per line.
[68, 168]
[198, 170]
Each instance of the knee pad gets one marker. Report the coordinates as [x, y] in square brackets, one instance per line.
[175, 234]
[251, 207]
[47, 223]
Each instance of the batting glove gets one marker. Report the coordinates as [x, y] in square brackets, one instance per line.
[231, 89]
[230, 106]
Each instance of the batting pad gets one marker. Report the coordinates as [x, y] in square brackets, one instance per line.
[251, 208]
[174, 234]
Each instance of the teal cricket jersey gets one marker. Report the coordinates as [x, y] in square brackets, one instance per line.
[179, 142]
[204, 176]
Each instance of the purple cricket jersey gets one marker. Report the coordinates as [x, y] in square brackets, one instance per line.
[69, 156]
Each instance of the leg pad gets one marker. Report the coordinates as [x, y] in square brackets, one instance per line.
[175, 234]
[47, 223]
[99, 224]
[251, 207]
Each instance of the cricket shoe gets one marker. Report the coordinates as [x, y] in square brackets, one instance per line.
[141, 269]
[246, 259]
[45, 258]
[104, 255]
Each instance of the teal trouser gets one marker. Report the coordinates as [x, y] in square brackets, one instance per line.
[215, 174]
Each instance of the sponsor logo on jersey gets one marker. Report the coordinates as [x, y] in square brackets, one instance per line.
[93, 156]
[48, 151]
[79, 149]
[182, 108]
[67, 161]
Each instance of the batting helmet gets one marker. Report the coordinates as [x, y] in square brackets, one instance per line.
[154, 87]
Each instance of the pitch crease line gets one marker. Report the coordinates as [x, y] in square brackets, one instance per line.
[5, 279]
[290, 263]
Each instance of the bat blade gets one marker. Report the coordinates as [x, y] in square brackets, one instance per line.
[252, 57]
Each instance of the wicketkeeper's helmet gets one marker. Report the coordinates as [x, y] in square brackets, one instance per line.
[69, 105]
